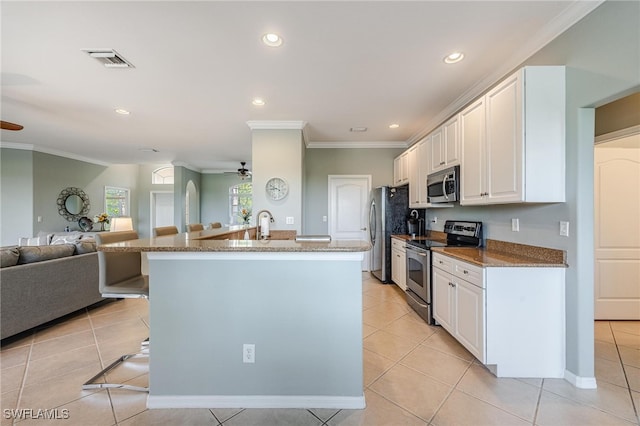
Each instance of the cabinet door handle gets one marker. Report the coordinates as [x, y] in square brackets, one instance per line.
[465, 272]
[442, 163]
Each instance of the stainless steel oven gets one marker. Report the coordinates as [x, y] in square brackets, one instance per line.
[419, 281]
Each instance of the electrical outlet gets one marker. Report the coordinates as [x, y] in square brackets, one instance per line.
[564, 229]
[249, 353]
[435, 219]
[324, 218]
[515, 225]
[39, 218]
[289, 220]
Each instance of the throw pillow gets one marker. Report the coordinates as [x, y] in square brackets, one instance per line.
[40, 253]
[83, 247]
[9, 256]
[71, 238]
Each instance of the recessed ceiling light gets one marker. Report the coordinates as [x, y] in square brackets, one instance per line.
[453, 58]
[122, 111]
[394, 126]
[358, 129]
[258, 101]
[272, 40]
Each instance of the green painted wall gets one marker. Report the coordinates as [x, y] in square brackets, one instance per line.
[41, 177]
[322, 162]
[214, 202]
[16, 195]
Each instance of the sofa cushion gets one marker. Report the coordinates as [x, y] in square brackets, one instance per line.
[82, 246]
[9, 256]
[41, 253]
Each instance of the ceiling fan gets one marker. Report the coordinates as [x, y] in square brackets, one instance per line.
[5, 125]
[243, 173]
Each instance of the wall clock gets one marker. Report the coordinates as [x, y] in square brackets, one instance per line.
[277, 188]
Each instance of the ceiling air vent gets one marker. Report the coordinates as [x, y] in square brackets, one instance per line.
[109, 58]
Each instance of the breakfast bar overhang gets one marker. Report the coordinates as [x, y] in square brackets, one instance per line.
[299, 304]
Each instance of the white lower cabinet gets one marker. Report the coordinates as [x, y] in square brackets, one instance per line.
[399, 263]
[459, 304]
[512, 319]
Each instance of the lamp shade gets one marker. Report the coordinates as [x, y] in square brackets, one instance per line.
[121, 224]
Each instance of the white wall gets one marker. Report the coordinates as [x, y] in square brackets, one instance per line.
[278, 153]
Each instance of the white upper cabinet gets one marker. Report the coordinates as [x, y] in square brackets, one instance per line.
[436, 151]
[512, 140]
[473, 169]
[418, 168]
[401, 169]
[444, 146]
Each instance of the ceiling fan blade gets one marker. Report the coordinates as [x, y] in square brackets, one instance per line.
[5, 125]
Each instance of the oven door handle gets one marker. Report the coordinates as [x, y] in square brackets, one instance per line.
[420, 253]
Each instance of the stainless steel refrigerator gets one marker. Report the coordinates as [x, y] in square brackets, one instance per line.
[387, 215]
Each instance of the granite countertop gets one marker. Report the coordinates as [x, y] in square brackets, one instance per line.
[198, 242]
[500, 253]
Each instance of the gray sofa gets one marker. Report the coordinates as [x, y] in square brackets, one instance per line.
[42, 283]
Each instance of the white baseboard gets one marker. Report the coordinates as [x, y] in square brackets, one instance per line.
[257, 401]
[580, 382]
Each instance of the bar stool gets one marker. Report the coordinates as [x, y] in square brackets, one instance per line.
[165, 230]
[192, 227]
[120, 276]
[215, 225]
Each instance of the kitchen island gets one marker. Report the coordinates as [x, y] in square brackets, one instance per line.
[253, 323]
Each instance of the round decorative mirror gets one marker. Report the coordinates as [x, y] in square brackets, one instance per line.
[73, 203]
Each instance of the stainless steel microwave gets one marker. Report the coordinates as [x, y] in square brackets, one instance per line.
[444, 186]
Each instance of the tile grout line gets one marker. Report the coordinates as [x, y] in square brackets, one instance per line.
[624, 371]
[398, 362]
[535, 414]
[24, 375]
[95, 340]
[453, 389]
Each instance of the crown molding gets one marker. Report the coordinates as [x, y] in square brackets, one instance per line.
[618, 134]
[358, 144]
[57, 153]
[573, 13]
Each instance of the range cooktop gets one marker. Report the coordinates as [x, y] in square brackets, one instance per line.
[459, 234]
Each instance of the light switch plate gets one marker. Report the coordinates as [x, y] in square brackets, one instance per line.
[564, 229]
[289, 220]
[515, 225]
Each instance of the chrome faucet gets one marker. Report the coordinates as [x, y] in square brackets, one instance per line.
[271, 219]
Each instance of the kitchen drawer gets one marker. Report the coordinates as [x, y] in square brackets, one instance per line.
[469, 273]
[397, 244]
[443, 262]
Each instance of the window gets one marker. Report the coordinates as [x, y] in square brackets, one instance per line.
[240, 197]
[116, 201]
[163, 175]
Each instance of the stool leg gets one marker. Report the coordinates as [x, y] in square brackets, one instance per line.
[89, 384]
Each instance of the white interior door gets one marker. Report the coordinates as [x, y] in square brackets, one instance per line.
[161, 209]
[349, 208]
[617, 229]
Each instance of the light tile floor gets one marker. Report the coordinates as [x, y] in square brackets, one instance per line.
[414, 374]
